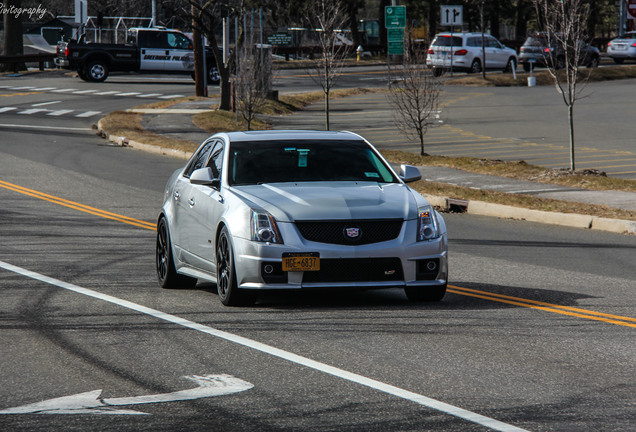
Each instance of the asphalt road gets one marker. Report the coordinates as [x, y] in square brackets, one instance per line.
[534, 333]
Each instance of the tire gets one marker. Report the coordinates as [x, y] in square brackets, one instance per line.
[593, 62]
[166, 272]
[560, 63]
[97, 71]
[475, 66]
[213, 75]
[437, 72]
[229, 293]
[510, 66]
[526, 67]
[618, 60]
[425, 294]
[82, 74]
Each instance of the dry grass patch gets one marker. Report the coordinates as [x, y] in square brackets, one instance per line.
[517, 170]
[521, 201]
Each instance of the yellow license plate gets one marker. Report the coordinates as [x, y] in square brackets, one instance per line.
[301, 261]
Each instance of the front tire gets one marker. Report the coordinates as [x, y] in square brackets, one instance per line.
[166, 272]
[214, 77]
[425, 294]
[229, 293]
[510, 66]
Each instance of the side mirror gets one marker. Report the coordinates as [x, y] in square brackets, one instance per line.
[409, 173]
[203, 176]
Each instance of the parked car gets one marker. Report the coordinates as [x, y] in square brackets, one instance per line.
[623, 47]
[463, 52]
[255, 211]
[544, 51]
[147, 50]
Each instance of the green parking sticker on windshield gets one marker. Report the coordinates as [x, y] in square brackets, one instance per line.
[302, 157]
[372, 174]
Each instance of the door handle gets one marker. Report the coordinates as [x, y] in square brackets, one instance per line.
[176, 195]
[191, 202]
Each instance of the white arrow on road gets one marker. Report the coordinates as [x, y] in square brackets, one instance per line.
[91, 403]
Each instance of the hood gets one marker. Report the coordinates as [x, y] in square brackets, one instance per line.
[289, 202]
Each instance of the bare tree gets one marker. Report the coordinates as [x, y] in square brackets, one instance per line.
[564, 23]
[329, 18]
[252, 82]
[415, 96]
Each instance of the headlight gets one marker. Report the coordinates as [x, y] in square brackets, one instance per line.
[263, 228]
[427, 226]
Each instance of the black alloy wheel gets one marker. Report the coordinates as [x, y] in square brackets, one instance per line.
[229, 293]
[166, 273]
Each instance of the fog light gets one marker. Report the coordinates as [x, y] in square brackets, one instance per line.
[431, 265]
[269, 269]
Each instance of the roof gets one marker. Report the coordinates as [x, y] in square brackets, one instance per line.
[285, 135]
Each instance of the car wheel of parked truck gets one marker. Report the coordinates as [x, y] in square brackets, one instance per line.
[97, 71]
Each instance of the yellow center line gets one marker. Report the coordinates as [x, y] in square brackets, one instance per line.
[547, 307]
[77, 206]
[517, 301]
[18, 94]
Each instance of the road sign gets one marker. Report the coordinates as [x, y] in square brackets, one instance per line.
[280, 39]
[452, 15]
[631, 9]
[395, 39]
[395, 16]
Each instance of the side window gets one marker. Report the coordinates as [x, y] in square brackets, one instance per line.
[199, 160]
[178, 41]
[151, 39]
[474, 42]
[216, 159]
[492, 43]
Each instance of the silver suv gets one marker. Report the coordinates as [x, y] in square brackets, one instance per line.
[463, 52]
[623, 47]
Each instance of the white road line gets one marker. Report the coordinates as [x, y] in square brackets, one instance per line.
[149, 95]
[170, 96]
[21, 88]
[88, 114]
[5, 109]
[46, 103]
[63, 90]
[107, 92]
[32, 111]
[84, 91]
[45, 127]
[276, 352]
[44, 88]
[60, 112]
[128, 94]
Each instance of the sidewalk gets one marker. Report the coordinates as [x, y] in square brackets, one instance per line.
[351, 114]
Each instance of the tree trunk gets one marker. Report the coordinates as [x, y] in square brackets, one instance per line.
[571, 123]
[326, 110]
[198, 50]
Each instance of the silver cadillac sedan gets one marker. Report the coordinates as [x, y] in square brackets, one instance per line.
[273, 210]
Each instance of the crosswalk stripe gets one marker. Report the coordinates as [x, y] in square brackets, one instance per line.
[170, 96]
[88, 114]
[5, 109]
[107, 92]
[59, 112]
[149, 95]
[128, 94]
[84, 91]
[64, 90]
[44, 88]
[32, 111]
[21, 88]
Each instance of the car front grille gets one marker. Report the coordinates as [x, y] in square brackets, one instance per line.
[356, 270]
[350, 232]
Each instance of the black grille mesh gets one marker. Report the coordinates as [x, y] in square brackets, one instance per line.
[334, 232]
[356, 270]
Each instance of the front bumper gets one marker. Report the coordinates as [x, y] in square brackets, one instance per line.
[389, 264]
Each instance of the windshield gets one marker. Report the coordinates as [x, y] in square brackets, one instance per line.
[305, 161]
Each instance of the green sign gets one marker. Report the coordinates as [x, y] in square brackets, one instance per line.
[394, 16]
[284, 39]
[396, 47]
[395, 39]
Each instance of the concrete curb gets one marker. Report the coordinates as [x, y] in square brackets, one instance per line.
[125, 142]
[481, 208]
[473, 207]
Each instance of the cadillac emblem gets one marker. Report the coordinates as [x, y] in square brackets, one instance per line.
[352, 233]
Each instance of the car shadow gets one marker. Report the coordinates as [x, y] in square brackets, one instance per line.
[394, 299]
